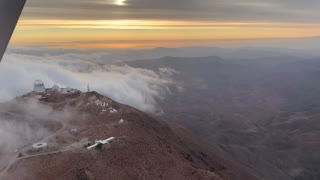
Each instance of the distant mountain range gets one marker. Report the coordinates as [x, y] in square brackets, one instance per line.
[245, 49]
[263, 112]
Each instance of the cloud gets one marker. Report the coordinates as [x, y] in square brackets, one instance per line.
[231, 10]
[24, 122]
[13, 135]
[139, 88]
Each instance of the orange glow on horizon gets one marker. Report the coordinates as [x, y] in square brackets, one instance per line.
[148, 33]
[155, 24]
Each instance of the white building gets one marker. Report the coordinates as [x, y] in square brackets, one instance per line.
[39, 146]
[39, 87]
[55, 88]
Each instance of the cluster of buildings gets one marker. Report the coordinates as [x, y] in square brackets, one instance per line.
[39, 87]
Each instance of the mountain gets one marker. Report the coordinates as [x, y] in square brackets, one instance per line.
[144, 148]
[262, 113]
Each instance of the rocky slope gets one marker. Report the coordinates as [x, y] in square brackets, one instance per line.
[144, 148]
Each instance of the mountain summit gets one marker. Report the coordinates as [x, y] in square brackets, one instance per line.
[56, 126]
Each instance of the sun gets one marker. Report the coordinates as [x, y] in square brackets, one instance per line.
[120, 2]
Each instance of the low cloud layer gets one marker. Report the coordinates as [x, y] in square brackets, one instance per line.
[24, 122]
[139, 88]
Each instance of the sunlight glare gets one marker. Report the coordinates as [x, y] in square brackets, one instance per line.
[120, 2]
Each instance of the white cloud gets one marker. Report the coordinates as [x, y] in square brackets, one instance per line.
[133, 86]
[26, 122]
[139, 88]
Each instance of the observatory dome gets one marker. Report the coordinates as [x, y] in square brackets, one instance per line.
[38, 86]
[39, 146]
[55, 87]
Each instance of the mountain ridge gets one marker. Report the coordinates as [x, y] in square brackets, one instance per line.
[144, 147]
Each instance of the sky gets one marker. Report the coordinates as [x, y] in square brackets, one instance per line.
[155, 23]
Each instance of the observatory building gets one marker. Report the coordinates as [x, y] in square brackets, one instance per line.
[55, 88]
[38, 87]
[39, 146]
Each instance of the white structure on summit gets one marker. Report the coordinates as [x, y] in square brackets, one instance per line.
[39, 146]
[68, 90]
[113, 110]
[55, 88]
[39, 87]
[99, 143]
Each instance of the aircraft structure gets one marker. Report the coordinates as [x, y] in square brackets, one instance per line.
[10, 11]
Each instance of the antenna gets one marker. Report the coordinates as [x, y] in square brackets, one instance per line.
[88, 87]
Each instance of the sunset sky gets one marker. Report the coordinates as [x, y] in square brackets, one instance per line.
[153, 23]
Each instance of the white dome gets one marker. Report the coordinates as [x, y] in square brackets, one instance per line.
[38, 86]
[38, 83]
[55, 87]
[39, 146]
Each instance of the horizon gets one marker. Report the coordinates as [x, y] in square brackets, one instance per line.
[185, 89]
[130, 24]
